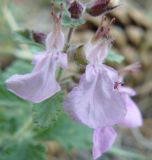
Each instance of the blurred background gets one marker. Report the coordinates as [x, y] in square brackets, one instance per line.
[132, 32]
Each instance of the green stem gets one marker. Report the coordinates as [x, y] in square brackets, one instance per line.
[23, 130]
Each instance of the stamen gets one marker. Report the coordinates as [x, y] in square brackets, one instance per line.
[103, 31]
[117, 84]
[132, 68]
[53, 12]
[61, 10]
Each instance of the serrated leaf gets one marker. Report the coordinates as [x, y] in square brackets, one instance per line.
[115, 57]
[47, 112]
[68, 133]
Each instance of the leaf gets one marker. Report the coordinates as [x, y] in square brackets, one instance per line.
[67, 21]
[25, 37]
[23, 150]
[47, 112]
[115, 57]
[68, 133]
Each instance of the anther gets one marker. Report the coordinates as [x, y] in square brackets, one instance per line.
[117, 84]
[103, 31]
[61, 10]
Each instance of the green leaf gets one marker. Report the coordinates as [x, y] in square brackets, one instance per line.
[23, 150]
[25, 37]
[115, 57]
[47, 112]
[68, 133]
[67, 21]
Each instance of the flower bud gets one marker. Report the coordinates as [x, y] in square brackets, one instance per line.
[39, 37]
[75, 9]
[101, 7]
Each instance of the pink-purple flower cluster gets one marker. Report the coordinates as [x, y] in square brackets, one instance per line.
[98, 101]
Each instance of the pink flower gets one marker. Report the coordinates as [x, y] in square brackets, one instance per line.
[95, 102]
[103, 139]
[41, 83]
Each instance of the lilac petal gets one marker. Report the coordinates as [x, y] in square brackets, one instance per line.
[128, 90]
[95, 103]
[103, 139]
[96, 53]
[38, 85]
[112, 73]
[38, 57]
[55, 41]
[133, 117]
[63, 60]
[91, 72]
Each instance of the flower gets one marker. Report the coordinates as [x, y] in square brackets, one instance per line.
[103, 139]
[95, 102]
[41, 83]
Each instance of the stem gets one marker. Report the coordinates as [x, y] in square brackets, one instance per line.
[70, 33]
[22, 131]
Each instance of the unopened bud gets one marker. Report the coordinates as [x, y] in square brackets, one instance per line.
[101, 7]
[75, 9]
[39, 37]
